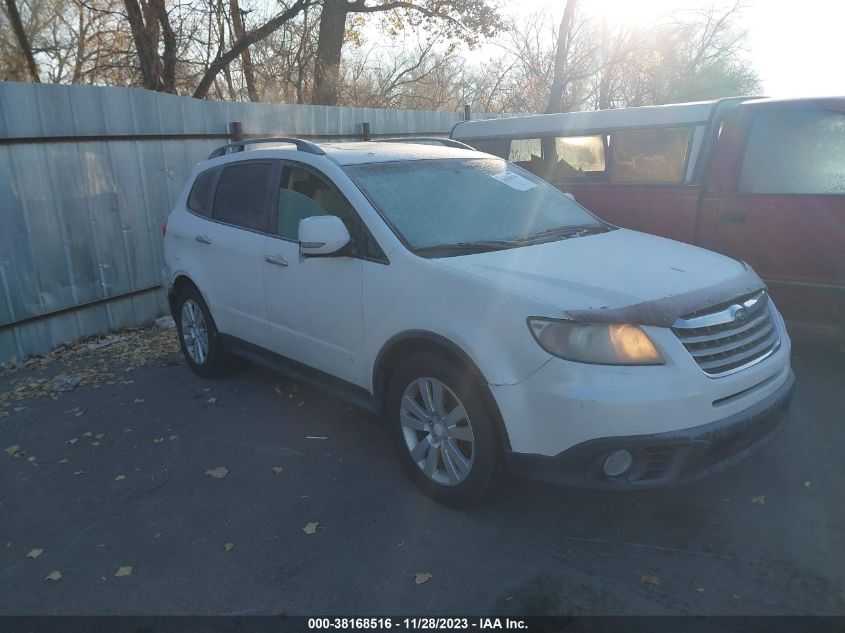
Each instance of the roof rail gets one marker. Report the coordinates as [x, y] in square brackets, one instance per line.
[448, 142]
[238, 146]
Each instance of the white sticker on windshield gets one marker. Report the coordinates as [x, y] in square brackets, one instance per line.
[515, 181]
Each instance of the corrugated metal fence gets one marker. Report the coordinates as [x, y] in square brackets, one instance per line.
[87, 176]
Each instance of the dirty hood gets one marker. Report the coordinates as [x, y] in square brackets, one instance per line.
[621, 275]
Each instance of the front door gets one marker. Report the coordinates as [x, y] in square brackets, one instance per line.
[783, 206]
[314, 303]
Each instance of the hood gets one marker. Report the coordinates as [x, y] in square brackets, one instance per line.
[613, 270]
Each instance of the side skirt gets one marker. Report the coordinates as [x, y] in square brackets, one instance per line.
[353, 394]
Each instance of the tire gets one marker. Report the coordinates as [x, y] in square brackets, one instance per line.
[454, 458]
[192, 320]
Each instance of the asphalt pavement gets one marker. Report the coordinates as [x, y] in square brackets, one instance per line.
[252, 495]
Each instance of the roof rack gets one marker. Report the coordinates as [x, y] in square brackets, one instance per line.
[448, 142]
[238, 146]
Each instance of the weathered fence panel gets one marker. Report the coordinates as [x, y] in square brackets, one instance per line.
[80, 217]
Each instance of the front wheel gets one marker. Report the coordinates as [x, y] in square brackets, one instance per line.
[443, 432]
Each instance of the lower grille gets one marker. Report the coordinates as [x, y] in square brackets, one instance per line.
[727, 338]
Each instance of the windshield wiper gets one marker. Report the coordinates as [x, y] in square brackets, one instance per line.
[563, 232]
[479, 246]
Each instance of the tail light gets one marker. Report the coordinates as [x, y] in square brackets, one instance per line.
[164, 229]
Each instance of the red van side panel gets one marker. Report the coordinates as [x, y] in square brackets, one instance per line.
[668, 210]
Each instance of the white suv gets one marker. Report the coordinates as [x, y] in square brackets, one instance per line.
[491, 319]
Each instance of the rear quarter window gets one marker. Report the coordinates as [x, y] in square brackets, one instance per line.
[202, 193]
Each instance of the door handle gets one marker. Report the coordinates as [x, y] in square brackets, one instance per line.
[202, 239]
[276, 259]
[732, 217]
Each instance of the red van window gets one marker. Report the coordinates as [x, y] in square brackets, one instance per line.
[577, 158]
[795, 151]
[649, 154]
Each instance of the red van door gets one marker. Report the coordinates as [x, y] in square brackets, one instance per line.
[776, 199]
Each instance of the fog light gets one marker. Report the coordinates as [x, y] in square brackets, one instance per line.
[618, 463]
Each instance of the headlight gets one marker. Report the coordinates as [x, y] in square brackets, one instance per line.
[599, 343]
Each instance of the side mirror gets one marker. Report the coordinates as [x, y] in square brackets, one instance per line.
[322, 235]
[569, 195]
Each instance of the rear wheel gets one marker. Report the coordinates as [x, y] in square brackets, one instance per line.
[443, 432]
[198, 335]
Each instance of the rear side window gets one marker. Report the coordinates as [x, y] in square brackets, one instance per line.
[199, 200]
[576, 158]
[648, 154]
[243, 196]
[799, 151]
[496, 146]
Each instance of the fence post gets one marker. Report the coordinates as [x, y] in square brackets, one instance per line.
[467, 113]
[236, 131]
[365, 132]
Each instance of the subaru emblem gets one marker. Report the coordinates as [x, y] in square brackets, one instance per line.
[740, 314]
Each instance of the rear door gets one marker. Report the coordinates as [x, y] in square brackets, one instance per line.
[230, 247]
[779, 202]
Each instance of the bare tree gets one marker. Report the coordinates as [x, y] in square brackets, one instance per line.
[559, 78]
[23, 41]
[467, 20]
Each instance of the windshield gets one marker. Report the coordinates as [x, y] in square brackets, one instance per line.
[487, 203]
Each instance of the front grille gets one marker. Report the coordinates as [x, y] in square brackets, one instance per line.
[729, 337]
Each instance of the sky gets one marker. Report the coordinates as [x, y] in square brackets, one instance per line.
[797, 47]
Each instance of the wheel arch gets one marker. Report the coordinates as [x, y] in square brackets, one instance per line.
[411, 342]
[180, 281]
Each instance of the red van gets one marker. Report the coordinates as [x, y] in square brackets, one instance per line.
[761, 180]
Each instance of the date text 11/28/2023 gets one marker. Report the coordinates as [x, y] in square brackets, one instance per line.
[415, 624]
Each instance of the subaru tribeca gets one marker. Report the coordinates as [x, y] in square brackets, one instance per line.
[496, 324]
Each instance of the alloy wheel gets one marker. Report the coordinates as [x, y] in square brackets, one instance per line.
[437, 431]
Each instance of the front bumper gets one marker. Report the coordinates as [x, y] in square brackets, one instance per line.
[662, 459]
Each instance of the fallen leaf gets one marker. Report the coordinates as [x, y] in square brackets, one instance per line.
[126, 570]
[278, 390]
[13, 449]
[158, 440]
[228, 546]
[54, 575]
[701, 589]
[87, 434]
[806, 484]
[64, 460]
[211, 400]
[277, 470]
[173, 437]
[650, 579]
[31, 458]
[34, 553]
[217, 473]
[72, 441]
[760, 501]
[207, 389]
[99, 436]
[310, 528]
[421, 578]
[138, 400]
[120, 478]
[95, 443]
[79, 472]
